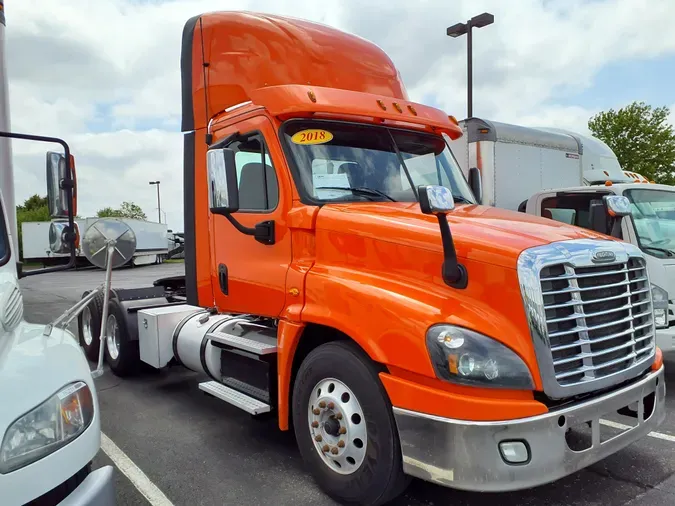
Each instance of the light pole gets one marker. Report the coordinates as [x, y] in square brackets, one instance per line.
[465, 28]
[159, 207]
[163, 214]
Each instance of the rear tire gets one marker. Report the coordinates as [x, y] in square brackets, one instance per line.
[339, 381]
[121, 352]
[89, 326]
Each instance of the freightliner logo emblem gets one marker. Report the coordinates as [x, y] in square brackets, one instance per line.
[603, 256]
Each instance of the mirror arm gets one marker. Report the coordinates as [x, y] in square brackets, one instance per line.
[454, 273]
[237, 225]
[616, 227]
[104, 317]
[68, 315]
[263, 232]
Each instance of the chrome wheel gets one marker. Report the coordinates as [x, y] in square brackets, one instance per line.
[87, 334]
[112, 331]
[337, 426]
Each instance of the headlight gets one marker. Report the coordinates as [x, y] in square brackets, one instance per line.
[48, 427]
[660, 302]
[463, 356]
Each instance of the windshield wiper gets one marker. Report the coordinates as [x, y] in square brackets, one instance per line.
[661, 250]
[358, 190]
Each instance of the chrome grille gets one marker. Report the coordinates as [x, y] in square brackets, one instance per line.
[589, 308]
[599, 318]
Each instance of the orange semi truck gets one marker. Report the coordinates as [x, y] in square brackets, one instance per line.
[342, 276]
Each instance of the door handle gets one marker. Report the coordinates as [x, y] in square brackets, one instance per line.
[222, 278]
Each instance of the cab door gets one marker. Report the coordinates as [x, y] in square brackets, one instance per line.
[248, 276]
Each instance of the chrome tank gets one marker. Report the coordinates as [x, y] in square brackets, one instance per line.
[191, 346]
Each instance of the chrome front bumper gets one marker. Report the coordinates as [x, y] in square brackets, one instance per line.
[465, 455]
[97, 489]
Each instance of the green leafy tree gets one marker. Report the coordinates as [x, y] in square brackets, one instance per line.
[126, 210]
[109, 212]
[641, 137]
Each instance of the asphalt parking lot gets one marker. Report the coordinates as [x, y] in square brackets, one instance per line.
[201, 451]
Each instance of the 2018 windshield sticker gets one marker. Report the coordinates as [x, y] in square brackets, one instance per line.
[312, 136]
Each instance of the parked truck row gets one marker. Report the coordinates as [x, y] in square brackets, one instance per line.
[400, 316]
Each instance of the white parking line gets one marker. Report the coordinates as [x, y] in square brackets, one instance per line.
[137, 477]
[620, 426]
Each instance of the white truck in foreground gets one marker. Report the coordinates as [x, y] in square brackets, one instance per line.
[564, 175]
[49, 420]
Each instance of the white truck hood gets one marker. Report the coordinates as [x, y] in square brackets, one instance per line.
[33, 367]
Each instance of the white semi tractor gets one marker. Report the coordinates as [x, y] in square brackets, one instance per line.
[49, 420]
[564, 175]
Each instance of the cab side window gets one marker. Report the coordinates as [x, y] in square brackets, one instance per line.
[256, 177]
[579, 209]
[573, 210]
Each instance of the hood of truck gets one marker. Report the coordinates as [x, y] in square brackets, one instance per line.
[481, 233]
[33, 367]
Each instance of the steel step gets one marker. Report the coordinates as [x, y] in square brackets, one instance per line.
[254, 343]
[242, 401]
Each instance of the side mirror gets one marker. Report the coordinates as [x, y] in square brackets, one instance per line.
[438, 200]
[435, 199]
[617, 206]
[61, 176]
[476, 184]
[223, 188]
[60, 235]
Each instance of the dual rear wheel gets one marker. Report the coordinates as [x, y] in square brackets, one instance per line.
[121, 352]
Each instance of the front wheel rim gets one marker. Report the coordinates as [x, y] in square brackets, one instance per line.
[112, 337]
[87, 334]
[337, 426]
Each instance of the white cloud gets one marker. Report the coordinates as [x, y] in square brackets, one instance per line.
[74, 62]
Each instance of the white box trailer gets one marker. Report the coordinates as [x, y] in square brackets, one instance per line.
[515, 161]
[563, 175]
[151, 237]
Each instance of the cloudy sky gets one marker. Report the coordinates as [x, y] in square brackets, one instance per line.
[104, 74]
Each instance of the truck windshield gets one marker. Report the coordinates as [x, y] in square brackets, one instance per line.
[336, 161]
[654, 219]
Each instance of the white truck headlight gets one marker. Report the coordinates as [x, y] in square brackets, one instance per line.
[466, 357]
[660, 303]
[48, 427]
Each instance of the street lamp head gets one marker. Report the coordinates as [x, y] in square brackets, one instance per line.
[482, 20]
[153, 182]
[457, 30]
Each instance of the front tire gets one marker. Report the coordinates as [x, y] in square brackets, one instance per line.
[121, 352]
[89, 326]
[344, 426]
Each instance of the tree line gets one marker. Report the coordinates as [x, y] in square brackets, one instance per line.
[641, 137]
